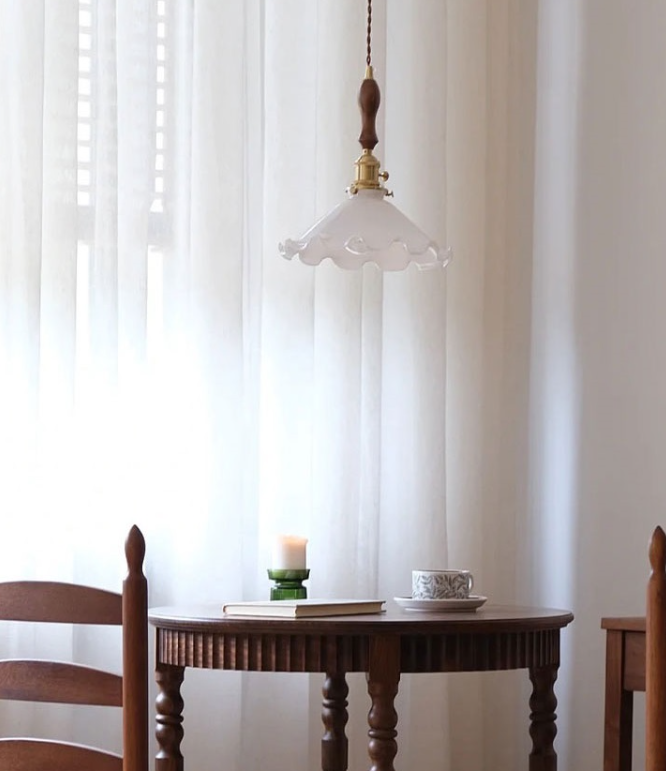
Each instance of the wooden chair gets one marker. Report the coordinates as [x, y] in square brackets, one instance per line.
[71, 683]
[655, 656]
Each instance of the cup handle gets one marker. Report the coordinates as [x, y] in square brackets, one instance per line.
[470, 583]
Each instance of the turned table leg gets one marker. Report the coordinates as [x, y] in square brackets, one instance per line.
[334, 716]
[542, 718]
[383, 678]
[169, 729]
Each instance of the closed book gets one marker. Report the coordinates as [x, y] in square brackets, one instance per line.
[302, 608]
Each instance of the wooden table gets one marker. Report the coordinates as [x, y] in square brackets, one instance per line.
[384, 646]
[625, 674]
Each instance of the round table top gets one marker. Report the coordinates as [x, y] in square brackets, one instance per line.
[394, 620]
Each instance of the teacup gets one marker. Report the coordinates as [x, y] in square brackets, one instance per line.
[441, 584]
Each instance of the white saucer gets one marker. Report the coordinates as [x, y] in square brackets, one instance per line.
[472, 602]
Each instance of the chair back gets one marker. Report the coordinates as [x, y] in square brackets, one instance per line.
[72, 683]
[655, 656]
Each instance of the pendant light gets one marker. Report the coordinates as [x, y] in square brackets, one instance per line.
[366, 227]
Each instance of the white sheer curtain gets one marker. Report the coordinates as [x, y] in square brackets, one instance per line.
[160, 364]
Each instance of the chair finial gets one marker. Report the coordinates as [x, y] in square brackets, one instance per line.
[135, 550]
[657, 550]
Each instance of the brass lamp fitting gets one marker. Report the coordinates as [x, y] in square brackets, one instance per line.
[367, 175]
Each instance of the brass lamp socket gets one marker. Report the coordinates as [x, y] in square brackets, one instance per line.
[367, 174]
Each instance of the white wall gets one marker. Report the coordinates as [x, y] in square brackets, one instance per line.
[598, 363]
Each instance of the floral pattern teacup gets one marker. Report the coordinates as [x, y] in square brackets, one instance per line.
[441, 584]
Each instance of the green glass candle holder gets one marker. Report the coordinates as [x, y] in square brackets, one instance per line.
[288, 584]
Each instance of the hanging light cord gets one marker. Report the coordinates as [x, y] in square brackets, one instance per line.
[368, 58]
[368, 175]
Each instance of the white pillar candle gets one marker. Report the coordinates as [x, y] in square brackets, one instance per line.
[289, 553]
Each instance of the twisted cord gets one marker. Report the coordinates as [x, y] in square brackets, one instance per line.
[368, 58]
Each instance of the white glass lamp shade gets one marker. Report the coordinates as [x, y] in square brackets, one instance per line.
[367, 228]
